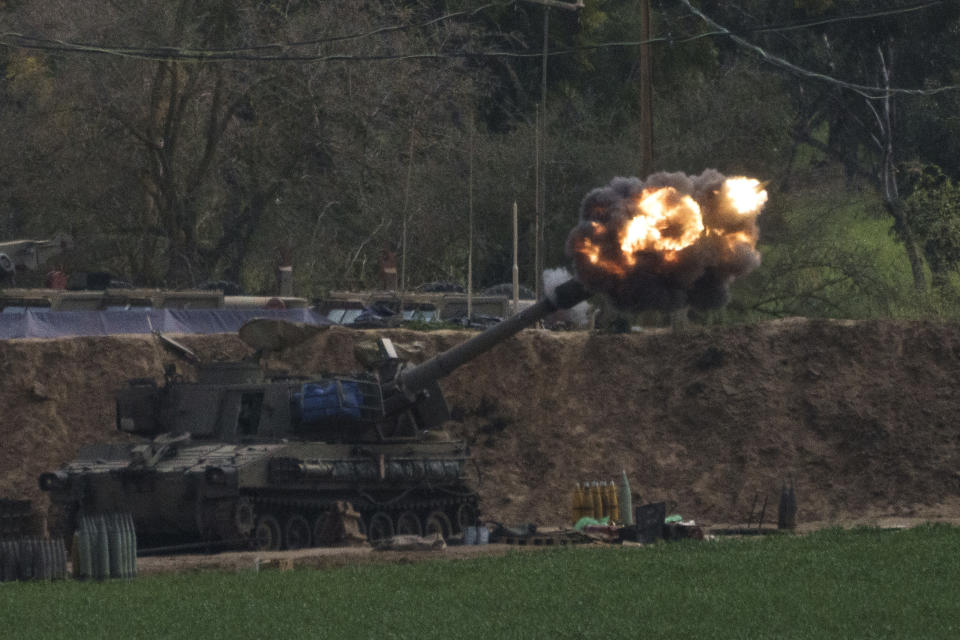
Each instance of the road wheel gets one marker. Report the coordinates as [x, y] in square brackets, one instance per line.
[296, 532]
[327, 531]
[466, 517]
[244, 517]
[409, 524]
[380, 527]
[266, 534]
[437, 522]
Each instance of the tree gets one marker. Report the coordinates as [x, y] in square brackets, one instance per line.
[933, 205]
[860, 126]
[186, 169]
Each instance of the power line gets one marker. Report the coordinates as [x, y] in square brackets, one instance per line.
[806, 24]
[232, 53]
[870, 92]
[244, 53]
[195, 55]
[286, 54]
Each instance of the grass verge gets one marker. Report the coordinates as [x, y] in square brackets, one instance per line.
[864, 583]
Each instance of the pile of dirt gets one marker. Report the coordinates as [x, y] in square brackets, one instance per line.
[861, 416]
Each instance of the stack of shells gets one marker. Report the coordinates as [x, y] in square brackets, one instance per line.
[32, 559]
[105, 546]
[603, 499]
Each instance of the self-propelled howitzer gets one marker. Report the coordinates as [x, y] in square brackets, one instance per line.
[246, 459]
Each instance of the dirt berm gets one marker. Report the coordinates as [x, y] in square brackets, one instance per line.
[862, 416]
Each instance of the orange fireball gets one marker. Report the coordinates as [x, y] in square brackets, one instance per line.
[666, 221]
[746, 195]
[668, 241]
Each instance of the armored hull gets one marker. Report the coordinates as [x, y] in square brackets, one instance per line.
[242, 460]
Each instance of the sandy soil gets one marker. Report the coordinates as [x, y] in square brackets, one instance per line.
[862, 417]
[237, 561]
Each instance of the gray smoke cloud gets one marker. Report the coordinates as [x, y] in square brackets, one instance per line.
[577, 315]
[692, 270]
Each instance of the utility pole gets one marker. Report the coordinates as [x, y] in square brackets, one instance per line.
[646, 93]
[542, 182]
[540, 190]
[470, 232]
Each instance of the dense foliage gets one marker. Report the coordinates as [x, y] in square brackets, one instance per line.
[189, 141]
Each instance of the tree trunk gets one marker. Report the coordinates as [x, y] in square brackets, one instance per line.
[888, 176]
[896, 210]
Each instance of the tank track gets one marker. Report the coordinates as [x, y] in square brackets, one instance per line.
[229, 519]
[380, 516]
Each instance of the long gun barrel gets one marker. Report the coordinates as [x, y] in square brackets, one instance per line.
[565, 296]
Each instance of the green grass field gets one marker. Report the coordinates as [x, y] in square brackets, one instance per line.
[864, 583]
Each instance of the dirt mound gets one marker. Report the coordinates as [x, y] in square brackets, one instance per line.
[860, 415]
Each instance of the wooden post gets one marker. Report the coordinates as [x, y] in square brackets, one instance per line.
[406, 203]
[470, 230]
[516, 267]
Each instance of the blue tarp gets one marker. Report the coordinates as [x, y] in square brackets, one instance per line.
[320, 401]
[55, 324]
